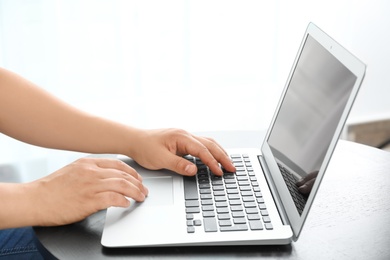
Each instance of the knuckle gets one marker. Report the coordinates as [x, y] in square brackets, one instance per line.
[122, 184]
[112, 199]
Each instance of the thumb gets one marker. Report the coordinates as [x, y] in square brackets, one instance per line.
[181, 165]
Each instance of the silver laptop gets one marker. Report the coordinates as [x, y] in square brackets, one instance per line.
[261, 203]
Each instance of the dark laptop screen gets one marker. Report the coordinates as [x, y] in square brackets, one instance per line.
[308, 117]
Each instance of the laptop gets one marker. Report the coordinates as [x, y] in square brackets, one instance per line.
[263, 201]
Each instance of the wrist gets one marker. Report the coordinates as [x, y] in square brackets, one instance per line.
[19, 207]
[132, 142]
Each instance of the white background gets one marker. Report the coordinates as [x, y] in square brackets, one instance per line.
[139, 62]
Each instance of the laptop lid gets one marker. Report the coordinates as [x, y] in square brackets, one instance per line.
[311, 113]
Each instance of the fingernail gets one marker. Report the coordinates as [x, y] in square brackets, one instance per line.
[190, 169]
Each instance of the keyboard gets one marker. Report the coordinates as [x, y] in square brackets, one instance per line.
[298, 198]
[232, 202]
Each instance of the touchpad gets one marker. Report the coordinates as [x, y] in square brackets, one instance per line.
[160, 191]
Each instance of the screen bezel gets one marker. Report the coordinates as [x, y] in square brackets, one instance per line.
[358, 68]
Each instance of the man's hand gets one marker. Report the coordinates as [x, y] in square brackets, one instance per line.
[164, 148]
[83, 188]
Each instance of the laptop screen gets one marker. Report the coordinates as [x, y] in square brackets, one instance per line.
[314, 102]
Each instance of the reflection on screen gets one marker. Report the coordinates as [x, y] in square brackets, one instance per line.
[313, 104]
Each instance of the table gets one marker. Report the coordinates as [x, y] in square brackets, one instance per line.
[350, 217]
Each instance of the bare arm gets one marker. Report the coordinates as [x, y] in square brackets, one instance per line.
[32, 115]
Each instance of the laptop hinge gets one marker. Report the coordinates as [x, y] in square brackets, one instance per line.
[274, 192]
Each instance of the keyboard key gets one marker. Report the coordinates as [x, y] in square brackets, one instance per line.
[243, 183]
[230, 181]
[250, 205]
[231, 186]
[205, 196]
[190, 188]
[246, 193]
[208, 214]
[210, 225]
[203, 181]
[219, 193]
[238, 214]
[241, 227]
[264, 212]
[266, 219]
[204, 186]
[218, 188]
[258, 194]
[222, 210]
[192, 210]
[242, 178]
[190, 229]
[223, 216]
[197, 222]
[253, 217]
[221, 204]
[207, 202]
[223, 223]
[220, 198]
[235, 202]
[232, 191]
[192, 203]
[239, 221]
[228, 177]
[256, 225]
[268, 226]
[238, 164]
[236, 208]
[251, 211]
[233, 196]
[248, 199]
[217, 182]
[208, 208]
[205, 191]
[260, 200]
[262, 206]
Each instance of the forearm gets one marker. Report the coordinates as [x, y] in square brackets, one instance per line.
[16, 210]
[32, 115]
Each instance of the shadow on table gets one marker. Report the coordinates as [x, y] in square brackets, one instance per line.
[223, 252]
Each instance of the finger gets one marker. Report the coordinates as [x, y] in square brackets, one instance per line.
[134, 190]
[118, 165]
[198, 149]
[179, 165]
[222, 156]
[111, 199]
[218, 153]
[121, 171]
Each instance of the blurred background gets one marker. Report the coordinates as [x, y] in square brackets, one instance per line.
[200, 65]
